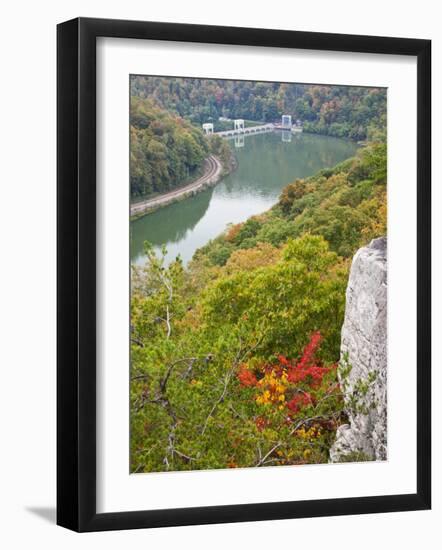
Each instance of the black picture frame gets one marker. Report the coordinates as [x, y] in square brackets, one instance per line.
[77, 287]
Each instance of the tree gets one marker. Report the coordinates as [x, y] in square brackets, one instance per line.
[164, 149]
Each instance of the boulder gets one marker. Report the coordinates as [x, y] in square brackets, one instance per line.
[364, 348]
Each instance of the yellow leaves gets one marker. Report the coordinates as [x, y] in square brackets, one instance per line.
[292, 192]
[376, 211]
[310, 434]
[261, 255]
[274, 388]
[264, 398]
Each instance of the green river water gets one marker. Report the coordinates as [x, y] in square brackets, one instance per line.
[266, 164]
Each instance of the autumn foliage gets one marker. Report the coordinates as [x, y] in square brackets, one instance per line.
[289, 378]
[233, 357]
[288, 393]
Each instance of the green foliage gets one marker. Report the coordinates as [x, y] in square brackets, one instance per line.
[284, 301]
[165, 150]
[346, 205]
[188, 344]
[226, 366]
[220, 148]
[355, 456]
[341, 111]
[356, 392]
[219, 253]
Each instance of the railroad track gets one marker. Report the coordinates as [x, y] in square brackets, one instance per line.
[212, 172]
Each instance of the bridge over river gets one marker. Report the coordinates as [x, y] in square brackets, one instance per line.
[240, 129]
[247, 130]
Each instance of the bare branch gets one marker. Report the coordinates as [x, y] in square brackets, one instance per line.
[139, 377]
[179, 453]
[189, 360]
[169, 328]
[161, 399]
[238, 359]
[137, 342]
[292, 431]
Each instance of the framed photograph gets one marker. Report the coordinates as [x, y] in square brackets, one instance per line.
[243, 274]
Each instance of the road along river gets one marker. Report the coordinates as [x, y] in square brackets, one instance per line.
[212, 173]
[266, 164]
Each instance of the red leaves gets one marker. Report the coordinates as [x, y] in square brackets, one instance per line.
[299, 400]
[283, 361]
[313, 374]
[307, 369]
[246, 377]
[288, 379]
[308, 356]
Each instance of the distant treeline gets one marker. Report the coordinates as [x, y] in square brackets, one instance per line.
[342, 111]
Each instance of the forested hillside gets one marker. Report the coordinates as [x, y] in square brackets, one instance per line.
[341, 111]
[235, 358]
[165, 149]
[346, 205]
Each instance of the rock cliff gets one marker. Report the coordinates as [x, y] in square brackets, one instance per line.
[364, 349]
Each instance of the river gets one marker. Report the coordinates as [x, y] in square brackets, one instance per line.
[266, 164]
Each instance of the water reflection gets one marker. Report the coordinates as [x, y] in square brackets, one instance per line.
[239, 141]
[266, 163]
[170, 225]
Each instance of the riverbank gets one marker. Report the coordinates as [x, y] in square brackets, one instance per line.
[265, 165]
[213, 172]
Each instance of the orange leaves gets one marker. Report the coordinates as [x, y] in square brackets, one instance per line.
[233, 232]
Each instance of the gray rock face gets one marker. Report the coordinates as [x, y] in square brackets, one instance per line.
[364, 347]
